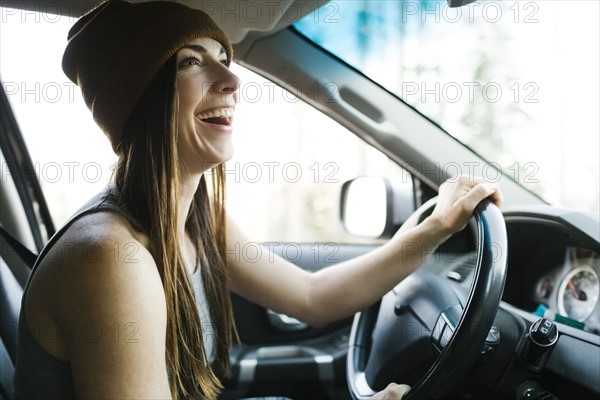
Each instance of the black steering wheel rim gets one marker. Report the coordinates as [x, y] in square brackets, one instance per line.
[472, 328]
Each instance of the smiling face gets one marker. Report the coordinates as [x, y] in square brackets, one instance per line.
[207, 97]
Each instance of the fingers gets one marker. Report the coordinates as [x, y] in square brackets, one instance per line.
[496, 197]
[392, 392]
[397, 392]
[482, 191]
[476, 189]
[458, 197]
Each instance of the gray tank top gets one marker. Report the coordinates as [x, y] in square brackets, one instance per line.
[40, 375]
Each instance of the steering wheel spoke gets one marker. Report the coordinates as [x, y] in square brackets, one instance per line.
[446, 326]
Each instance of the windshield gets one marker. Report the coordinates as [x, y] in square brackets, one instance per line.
[518, 81]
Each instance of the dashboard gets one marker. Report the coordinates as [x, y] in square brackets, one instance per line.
[554, 266]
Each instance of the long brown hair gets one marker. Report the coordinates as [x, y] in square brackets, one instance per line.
[147, 180]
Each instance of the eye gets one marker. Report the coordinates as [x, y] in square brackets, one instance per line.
[190, 61]
[225, 62]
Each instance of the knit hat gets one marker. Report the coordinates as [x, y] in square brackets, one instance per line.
[117, 48]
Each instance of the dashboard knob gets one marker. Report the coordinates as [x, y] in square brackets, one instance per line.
[534, 352]
[543, 332]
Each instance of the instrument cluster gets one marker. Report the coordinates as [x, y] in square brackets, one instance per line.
[570, 292]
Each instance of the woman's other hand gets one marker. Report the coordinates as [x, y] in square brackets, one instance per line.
[392, 392]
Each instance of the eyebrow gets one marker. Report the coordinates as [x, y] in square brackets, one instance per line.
[201, 49]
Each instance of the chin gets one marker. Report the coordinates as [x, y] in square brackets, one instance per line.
[203, 164]
[223, 155]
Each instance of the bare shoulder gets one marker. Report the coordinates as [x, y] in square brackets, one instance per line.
[99, 269]
[101, 256]
[104, 290]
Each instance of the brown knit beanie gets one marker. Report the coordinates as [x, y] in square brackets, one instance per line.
[116, 49]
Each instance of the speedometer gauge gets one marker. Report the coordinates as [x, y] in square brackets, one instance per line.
[578, 293]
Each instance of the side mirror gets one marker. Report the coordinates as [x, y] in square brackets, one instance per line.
[375, 207]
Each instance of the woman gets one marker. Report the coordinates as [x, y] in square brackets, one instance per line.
[131, 298]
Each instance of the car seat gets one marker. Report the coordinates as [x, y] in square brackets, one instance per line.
[15, 261]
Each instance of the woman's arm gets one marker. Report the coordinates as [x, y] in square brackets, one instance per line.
[343, 289]
[115, 316]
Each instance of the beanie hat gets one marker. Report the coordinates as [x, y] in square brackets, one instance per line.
[117, 48]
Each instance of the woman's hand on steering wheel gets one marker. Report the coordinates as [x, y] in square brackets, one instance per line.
[392, 392]
[457, 199]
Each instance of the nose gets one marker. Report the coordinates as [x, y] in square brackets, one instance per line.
[227, 82]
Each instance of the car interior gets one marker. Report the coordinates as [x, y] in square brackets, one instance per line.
[508, 308]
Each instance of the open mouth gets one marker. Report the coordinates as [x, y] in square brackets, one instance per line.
[217, 121]
[221, 116]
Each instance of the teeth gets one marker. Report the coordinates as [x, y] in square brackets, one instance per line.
[220, 113]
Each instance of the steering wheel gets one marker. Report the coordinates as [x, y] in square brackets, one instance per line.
[420, 333]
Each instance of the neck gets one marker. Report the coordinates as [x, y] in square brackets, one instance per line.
[188, 187]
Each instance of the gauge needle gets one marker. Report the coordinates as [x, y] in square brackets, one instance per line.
[573, 290]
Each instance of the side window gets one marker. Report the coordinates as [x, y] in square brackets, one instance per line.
[284, 181]
[72, 158]
[290, 162]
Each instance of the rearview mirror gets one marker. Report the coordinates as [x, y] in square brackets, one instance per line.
[459, 3]
[374, 207]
